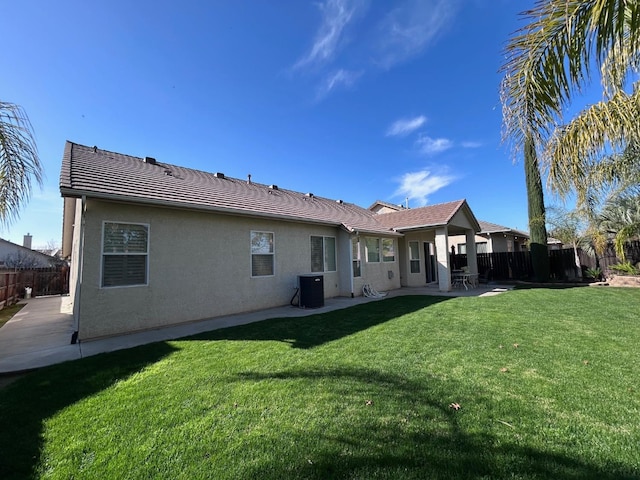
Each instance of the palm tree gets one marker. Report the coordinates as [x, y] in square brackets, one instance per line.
[620, 219]
[571, 228]
[19, 161]
[547, 62]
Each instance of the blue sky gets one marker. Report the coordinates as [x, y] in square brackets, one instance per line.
[349, 99]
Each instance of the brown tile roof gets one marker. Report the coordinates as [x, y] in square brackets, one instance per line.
[99, 173]
[429, 216]
[488, 227]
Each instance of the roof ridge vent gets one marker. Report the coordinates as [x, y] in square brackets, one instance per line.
[150, 160]
[219, 175]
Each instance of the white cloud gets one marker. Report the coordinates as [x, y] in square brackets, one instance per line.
[339, 78]
[336, 15]
[418, 186]
[405, 126]
[470, 144]
[431, 146]
[410, 28]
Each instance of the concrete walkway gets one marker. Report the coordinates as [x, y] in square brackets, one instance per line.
[40, 334]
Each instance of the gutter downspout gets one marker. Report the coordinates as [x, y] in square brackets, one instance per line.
[79, 268]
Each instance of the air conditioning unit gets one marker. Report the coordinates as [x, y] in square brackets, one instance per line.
[311, 291]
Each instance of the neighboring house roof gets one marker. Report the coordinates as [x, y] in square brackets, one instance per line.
[380, 205]
[430, 216]
[488, 228]
[92, 172]
[14, 255]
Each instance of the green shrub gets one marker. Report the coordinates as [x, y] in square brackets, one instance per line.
[594, 273]
[626, 268]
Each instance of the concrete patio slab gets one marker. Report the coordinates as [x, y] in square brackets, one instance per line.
[40, 334]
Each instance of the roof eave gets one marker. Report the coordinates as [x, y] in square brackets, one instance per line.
[419, 227]
[75, 193]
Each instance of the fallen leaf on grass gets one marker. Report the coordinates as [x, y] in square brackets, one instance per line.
[516, 345]
[369, 402]
[504, 369]
[586, 362]
[455, 406]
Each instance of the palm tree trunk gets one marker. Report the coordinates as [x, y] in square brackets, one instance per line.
[537, 218]
[576, 259]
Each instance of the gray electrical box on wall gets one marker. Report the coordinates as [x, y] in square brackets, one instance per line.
[311, 291]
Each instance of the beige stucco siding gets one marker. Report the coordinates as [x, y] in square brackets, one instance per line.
[199, 267]
[416, 279]
[382, 276]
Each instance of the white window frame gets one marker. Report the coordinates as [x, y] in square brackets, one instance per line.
[103, 254]
[366, 247]
[411, 259]
[393, 249]
[272, 253]
[356, 261]
[324, 253]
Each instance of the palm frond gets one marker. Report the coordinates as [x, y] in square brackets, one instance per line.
[19, 161]
[552, 56]
[573, 152]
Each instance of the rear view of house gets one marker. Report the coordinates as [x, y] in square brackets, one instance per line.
[154, 244]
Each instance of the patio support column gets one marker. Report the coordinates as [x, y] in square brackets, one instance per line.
[472, 258]
[442, 257]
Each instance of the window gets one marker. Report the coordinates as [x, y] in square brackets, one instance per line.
[481, 247]
[262, 254]
[462, 249]
[414, 257]
[125, 252]
[355, 256]
[388, 250]
[373, 249]
[323, 254]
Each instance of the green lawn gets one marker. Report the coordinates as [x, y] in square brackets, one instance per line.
[546, 379]
[7, 313]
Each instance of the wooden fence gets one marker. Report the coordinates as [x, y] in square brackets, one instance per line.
[42, 281]
[517, 265]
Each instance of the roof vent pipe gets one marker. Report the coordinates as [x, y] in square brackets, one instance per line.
[219, 175]
[310, 195]
[150, 160]
[249, 179]
[273, 187]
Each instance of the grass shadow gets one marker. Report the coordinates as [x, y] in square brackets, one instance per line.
[23, 410]
[402, 443]
[315, 330]
[549, 286]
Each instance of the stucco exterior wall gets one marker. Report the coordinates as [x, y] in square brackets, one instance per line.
[382, 276]
[457, 240]
[199, 267]
[415, 279]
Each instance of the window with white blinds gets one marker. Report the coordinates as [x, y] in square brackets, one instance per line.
[125, 254]
[262, 254]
